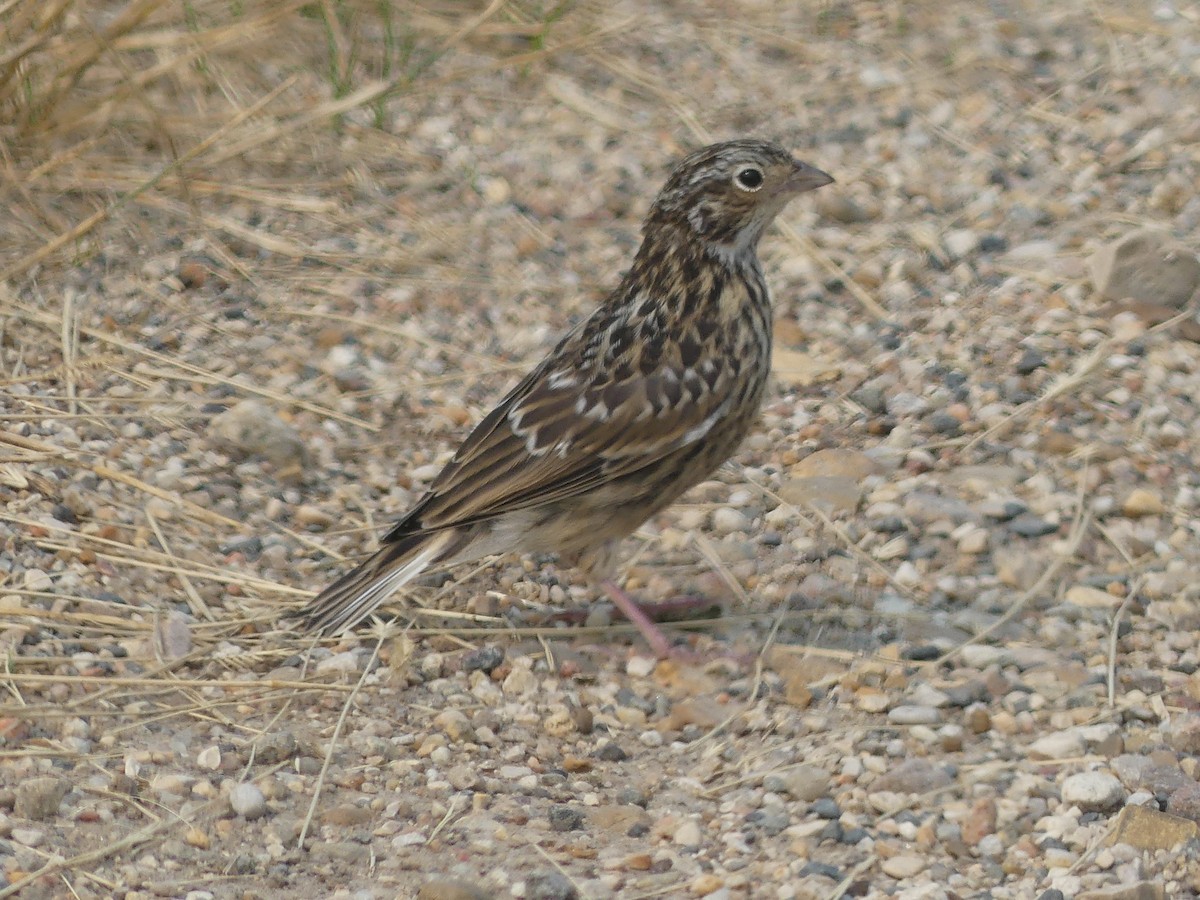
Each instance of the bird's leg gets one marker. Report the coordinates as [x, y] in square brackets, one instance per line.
[634, 613]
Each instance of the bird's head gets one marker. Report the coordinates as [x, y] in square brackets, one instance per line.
[727, 194]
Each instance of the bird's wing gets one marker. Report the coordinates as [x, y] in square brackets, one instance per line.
[567, 429]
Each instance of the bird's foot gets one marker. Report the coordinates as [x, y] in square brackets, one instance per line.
[644, 616]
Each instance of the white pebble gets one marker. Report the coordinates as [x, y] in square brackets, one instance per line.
[1093, 791]
[345, 663]
[1058, 745]
[640, 666]
[247, 800]
[688, 834]
[726, 520]
[651, 738]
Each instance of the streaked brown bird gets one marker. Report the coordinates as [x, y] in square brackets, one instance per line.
[638, 403]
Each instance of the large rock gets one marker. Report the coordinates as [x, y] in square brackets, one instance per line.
[1145, 828]
[1147, 266]
[251, 428]
[1093, 791]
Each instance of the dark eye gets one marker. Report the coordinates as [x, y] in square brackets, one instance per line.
[749, 179]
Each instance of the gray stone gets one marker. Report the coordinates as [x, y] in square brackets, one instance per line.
[913, 776]
[804, 782]
[1148, 266]
[173, 635]
[39, 798]
[247, 800]
[550, 885]
[1183, 734]
[1142, 890]
[452, 889]
[274, 748]
[252, 428]
[1142, 773]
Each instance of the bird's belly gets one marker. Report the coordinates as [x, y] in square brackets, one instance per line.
[614, 511]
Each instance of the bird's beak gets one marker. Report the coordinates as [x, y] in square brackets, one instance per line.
[807, 178]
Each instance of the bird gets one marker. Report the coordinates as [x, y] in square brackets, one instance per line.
[643, 399]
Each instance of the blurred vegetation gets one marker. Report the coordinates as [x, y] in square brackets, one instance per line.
[102, 101]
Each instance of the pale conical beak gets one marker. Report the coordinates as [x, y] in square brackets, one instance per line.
[807, 178]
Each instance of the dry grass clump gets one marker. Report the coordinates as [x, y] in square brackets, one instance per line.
[124, 122]
[140, 118]
[100, 103]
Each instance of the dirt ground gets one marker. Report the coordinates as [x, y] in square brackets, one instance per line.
[264, 264]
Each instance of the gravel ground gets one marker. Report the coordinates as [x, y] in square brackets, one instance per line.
[953, 571]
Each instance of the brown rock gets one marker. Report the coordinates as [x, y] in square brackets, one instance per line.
[833, 494]
[703, 712]
[1090, 597]
[452, 889]
[980, 822]
[806, 782]
[1142, 502]
[1143, 890]
[797, 693]
[913, 776]
[1185, 802]
[830, 462]
[346, 815]
[193, 271]
[977, 718]
[1146, 265]
[794, 368]
[617, 817]
[1145, 828]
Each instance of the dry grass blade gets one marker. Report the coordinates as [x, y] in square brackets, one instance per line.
[157, 682]
[82, 228]
[146, 557]
[810, 249]
[333, 739]
[71, 62]
[102, 471]
[147, 833]
[194, 371]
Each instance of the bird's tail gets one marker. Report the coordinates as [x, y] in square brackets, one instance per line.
[360, 591]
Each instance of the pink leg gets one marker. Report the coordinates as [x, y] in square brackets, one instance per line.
[654, 637]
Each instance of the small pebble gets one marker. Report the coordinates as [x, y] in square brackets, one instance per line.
[688, 834]
[247, 800]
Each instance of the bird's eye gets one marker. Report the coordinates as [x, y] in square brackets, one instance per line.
[749, 179]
